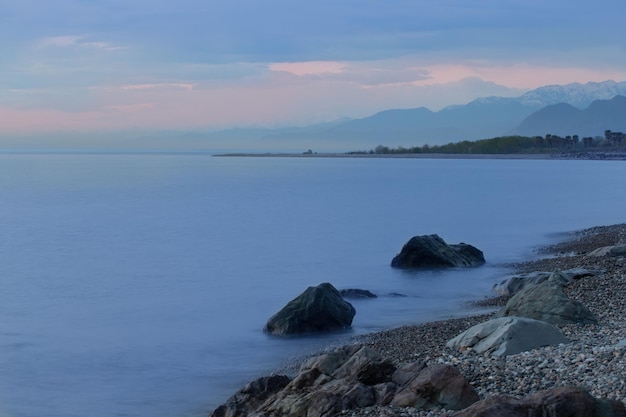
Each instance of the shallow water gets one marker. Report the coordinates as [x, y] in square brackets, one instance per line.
[137, 285]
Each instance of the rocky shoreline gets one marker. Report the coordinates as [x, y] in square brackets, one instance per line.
[592, 360]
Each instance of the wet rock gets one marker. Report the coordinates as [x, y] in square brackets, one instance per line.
[356, 293]
[431, 251]
[318, 309]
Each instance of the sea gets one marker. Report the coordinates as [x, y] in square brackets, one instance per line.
[138, 284]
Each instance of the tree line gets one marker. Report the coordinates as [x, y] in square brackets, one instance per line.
[509, 145]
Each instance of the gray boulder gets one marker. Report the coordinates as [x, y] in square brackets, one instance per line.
[547, 302]
[508, 336]
[431, 251]
[617, 250]
[515, 284]
[317, 309]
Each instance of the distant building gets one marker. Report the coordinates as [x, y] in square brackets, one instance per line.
[614, 138]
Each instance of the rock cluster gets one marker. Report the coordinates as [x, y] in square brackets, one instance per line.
[431, 251]
[349, 378]
[585, 376]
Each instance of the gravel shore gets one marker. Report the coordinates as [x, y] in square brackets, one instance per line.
[591, 360]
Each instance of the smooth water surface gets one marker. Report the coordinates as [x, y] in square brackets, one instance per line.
[138, 285]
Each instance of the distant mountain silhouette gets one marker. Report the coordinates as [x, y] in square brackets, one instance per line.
[563, 119]
[421, 124]
[554, 109]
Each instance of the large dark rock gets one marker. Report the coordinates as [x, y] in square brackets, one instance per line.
[431, 251]
[548, 302]
[556, 402]
[317, 309]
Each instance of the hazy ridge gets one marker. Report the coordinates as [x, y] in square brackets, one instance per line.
[581, 109]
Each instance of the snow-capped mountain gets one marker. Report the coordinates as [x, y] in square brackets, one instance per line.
[576, 94]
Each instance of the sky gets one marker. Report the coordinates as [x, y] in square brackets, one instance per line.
[107, 65]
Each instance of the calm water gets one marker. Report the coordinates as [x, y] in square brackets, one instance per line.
[138, 285]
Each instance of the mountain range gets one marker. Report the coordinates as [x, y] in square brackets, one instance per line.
[582, 109]
[564, 119]
[573, 109]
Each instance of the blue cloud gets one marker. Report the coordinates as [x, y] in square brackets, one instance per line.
[60, 54]
[282, 30]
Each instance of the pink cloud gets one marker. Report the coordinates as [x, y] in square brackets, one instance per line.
[158, 86]
[76, 41]
[59, 41]
[522, 76]
[286, 96]
[45, 120]
[309, 67]
[128, 108]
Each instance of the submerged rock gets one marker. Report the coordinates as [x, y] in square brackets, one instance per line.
[431, 251]
[356, 293]
[317, 309]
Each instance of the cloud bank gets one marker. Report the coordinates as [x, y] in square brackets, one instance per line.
[72, 65]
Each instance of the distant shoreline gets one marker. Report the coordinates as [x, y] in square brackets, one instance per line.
[580, 156]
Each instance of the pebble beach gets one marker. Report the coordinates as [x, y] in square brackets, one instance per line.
[592, 360]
